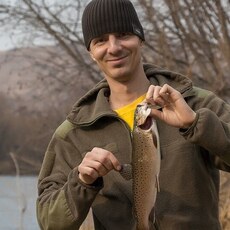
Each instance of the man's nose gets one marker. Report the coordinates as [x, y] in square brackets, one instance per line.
[114, 44]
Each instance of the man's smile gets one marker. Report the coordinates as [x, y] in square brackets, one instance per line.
[117, 60]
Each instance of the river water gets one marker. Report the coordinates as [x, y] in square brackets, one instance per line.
[17, 203]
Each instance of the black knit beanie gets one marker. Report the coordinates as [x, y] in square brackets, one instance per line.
[110, 16]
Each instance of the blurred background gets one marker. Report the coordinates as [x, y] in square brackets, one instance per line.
[45, 68]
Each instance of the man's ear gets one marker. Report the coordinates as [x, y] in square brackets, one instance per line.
[92, 56]
[141, 42]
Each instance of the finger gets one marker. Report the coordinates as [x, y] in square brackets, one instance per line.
[88, 171]
[165, 93]
[169, 93]
[114, 161]
[157, 114]
[107, 159]
[149, 94]
[87, 174]
[152, 96]
[99, 167]
[157, 97]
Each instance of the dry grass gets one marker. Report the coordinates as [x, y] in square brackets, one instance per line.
[225, 201]
[88, 223]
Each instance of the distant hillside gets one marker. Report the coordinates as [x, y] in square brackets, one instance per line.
[17, 74]
[37, 90]
[32, 78]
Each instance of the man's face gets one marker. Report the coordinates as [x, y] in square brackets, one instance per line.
[118, 55]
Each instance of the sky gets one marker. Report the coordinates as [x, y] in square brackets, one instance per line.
[9, 41]
[17, 39]
[6, 42]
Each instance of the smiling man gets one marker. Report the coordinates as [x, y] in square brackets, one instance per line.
[82, 164]
[118, 55]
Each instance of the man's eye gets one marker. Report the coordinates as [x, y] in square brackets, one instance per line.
[124, 35]
[98, 41]
[101, 40]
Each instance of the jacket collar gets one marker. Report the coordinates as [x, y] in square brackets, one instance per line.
[159, 76]
[94, 105]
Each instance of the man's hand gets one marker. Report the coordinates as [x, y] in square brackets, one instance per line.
[175, 111]
[97, 163]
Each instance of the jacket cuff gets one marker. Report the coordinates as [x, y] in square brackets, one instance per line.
[185, 132]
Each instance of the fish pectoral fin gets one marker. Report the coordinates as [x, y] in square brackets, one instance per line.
[126, 171]
[157, 183]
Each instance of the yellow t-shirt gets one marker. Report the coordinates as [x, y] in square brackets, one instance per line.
[127, 112]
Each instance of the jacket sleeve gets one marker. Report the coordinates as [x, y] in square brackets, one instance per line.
[211, 129]
[63, 200]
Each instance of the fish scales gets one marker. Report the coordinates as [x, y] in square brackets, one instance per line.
[145, 167]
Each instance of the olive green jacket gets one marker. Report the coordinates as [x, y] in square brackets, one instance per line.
[189, 176]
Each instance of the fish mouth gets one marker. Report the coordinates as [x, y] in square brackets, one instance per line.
[147, 124]
[142, 114]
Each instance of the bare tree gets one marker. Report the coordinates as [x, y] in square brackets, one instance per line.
[187, 36]
[56, 23]
[21, 197]
[192, 37]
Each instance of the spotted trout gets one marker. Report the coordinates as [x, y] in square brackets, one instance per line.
[145, 167]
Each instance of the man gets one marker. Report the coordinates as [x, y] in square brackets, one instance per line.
[83, 160]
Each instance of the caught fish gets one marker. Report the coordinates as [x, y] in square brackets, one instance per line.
[145, 166]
